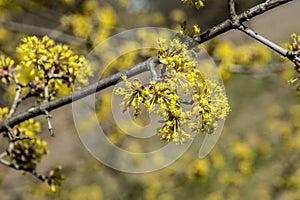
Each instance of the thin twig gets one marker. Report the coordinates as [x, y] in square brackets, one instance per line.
[13, 138]
[231, 9]
[48, 119]
[46, 87]
[151, 66]
[244, 16]
[294, 57]
[10, 133]
[186, 102]
[10, 148]
[17, 96]
[47, 98]
[2, 155]
[31, 29]
[58, 76]
[137, 69]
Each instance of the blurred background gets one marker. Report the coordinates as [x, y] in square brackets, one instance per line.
[257, 155]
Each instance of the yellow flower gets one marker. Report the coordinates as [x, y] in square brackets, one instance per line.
[198, 3]
[46, 60]
[206, 99]
[293, 35]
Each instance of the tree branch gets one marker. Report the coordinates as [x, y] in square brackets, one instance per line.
[17, 95]
[31, 29]
[245, 16]
[231, 9]
[13, 138]
[139, 68]
[294, 57]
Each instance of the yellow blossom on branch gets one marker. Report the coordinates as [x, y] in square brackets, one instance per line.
[54, 64]
[197, 3]
[187, 102]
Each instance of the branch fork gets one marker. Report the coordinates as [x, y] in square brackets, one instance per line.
[236, 23]
[141, 67]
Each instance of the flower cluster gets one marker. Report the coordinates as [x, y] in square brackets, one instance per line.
[55, 178]
[176, 57]
[294, 47]
[186, 101]
[134, 93]
[3, 113]
[6, 69]
[197, 3]
[210, 105]
[45, 70]
[244, 156]
[195, 30]
[27, 152]
[50, 65]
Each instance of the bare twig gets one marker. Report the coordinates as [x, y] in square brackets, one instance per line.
[48, 118]
[58, 76]
[151, 66]
[47, 98]
[139, 68]
[244, 16]
[265, 41]
[231, 8]
[13, 138]
[186, 102]
[294, 57]
[17, 96]
[10, 133]
[238, 24]
[31, 29]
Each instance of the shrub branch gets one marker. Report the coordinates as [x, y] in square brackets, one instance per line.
[225, 26]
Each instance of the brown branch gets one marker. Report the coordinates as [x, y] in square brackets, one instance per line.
[244, 16]
[139, 68]
[49, 124]
[17, 95]
[292, 56]
[231, 9]
[47, 98]
[238, 24]
[13, 138]
[31, 29]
